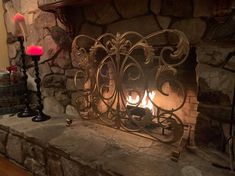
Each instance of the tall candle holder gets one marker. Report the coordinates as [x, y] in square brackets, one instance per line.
[35, 52]
[27, 111]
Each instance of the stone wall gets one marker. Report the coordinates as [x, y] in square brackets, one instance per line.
[52, 149]
[213, 38]
[41, 160]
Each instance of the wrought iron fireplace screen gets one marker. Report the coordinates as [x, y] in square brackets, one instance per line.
[121, 77]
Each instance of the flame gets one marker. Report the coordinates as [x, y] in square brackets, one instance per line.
[145, 103]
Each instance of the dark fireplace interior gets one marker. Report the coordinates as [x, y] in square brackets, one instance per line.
[94, 80]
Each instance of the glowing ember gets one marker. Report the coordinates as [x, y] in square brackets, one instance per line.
[145, 103]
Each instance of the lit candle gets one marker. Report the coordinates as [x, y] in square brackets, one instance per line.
[34, 50]
[20, 21]
[18, 17]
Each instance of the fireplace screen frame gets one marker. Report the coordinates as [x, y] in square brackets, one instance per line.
[107, 73]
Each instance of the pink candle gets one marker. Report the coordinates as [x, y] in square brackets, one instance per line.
[18, 17]
[20, 21]
[34, 50]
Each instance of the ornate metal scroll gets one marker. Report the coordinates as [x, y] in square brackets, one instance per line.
[119, 68]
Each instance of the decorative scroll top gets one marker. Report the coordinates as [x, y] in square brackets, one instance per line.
[125, 81]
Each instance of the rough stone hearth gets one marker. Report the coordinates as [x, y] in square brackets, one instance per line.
[88, 149]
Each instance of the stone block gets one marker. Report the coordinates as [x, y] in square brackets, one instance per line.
[221, 29]
[191, 170]
[50, 48]
[54, 81]
[48, 92]
[54, 167]
[214, 55]
[216, 85]
[61, 37]
[44, 70]
[57, 70]
[71, 168]
[74, 96]
[70, 85]
[203, 8]
[8, 15]
[71, 72]
[135, 24]
[230, 64]
[164, 21]
[28, 163]
[34, 167]
[14, 148]
[3, 140]
[71, 110]
[132, 8]
[11, 38]
[193, 28]
[101, 14]
[17, 5]
[28, 149]
[216, 112]
[29, 6]
[34, 151]
[94, 172]
[44, 19]
[213, 97]
[12, 50]
[40, 22]
[156, 6]
[63, 60]
[178, 8]
[90, 30]
[63, 97]
[39, 155]
[51, 105]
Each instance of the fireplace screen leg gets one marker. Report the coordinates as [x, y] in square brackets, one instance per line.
[175, 155]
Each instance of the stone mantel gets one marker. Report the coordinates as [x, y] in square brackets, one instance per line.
[88, 149]
[52, 5]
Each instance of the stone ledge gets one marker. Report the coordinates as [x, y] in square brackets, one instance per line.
[90, 149]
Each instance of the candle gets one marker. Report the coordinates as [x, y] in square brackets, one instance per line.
[20, 21]
[34, 50]
[18, 17]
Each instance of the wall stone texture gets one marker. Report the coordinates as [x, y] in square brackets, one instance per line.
[216, 63]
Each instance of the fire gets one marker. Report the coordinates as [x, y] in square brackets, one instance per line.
[145, 103]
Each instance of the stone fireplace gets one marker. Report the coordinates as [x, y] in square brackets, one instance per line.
[208, 73]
